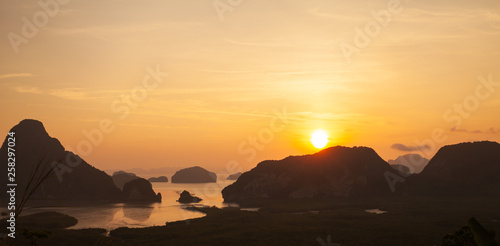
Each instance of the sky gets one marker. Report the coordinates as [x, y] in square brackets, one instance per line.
[150, 84]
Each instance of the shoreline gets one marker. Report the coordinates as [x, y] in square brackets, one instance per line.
[420, 220]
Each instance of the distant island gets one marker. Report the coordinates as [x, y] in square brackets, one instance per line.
[161, 179]
[194, 175]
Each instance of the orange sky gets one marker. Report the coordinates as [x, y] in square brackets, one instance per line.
[409, 75]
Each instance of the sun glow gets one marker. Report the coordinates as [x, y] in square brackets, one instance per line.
[319, 139]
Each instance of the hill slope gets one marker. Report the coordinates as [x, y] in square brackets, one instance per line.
[460, 169]
[336, 171]
[72, 178]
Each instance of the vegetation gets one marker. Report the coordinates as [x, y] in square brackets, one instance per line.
[33, 235]
[408, 221]
[45, 220]
[48, 228]
[481, 236]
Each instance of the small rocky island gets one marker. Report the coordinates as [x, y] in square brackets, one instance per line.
[161, 179]
[186, 197]
[140, 190]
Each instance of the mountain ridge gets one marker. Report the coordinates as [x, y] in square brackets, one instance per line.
[468, 168]
[315, 175]
[71, 178]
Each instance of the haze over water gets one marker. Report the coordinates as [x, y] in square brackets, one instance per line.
[112, 216]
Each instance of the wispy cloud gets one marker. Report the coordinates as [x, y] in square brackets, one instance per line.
[15, 75]
[267, 72]
[491, 130]
[254, 43]
[251, 114]
[67, 93]
[114, 30]
[230, 71]
[30, 90]
[408, 148]
[294, 116]
[309, 115]
[454, 129]
[316, 11]
[493, 16]
[299, 72]
[66, 11]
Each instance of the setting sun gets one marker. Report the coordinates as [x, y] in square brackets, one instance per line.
[319, 139]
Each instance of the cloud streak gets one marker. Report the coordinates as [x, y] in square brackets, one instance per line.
[15, 75]
[30, 90]
[491, 130]
[407, 148]
[67, 93]
[256, 43]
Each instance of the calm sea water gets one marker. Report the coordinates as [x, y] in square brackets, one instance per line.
[112, 216]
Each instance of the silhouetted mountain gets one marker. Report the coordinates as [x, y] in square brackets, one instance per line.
[186, 197]
[194, 175]
[336, 171]
[140, 190]
[461, 169]
[234, 176]
[72, 177]
[415, 162]
[161, 179]
[121, 177]
[402, 169]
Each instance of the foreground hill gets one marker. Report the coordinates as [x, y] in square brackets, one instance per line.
[336, 171]
[72, 179]
[460, 169]
[410, 221]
